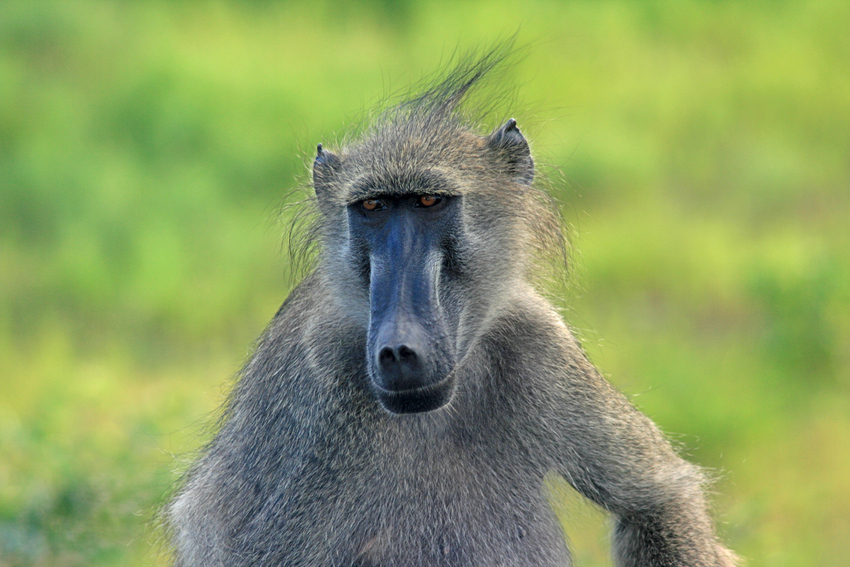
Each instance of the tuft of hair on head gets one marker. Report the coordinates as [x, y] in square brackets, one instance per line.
[442, 96]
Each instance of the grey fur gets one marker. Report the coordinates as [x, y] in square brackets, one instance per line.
[308, 468]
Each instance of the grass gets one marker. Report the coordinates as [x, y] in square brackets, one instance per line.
[699, 150]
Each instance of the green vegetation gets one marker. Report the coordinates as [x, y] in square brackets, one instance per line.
[146, 147]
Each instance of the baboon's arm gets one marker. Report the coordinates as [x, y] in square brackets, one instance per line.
[616, 456]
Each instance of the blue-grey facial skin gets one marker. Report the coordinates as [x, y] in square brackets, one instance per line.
[404, 248]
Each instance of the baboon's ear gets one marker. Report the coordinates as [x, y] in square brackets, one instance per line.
[512, 150]
[325, 167]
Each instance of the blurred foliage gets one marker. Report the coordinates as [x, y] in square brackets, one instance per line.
[701, 151]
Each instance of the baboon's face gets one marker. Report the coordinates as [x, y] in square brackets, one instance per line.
[430, 236]
[405, 247]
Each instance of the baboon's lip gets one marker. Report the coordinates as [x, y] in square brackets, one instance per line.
[416, 400]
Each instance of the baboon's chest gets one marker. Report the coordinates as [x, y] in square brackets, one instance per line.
[444, 512]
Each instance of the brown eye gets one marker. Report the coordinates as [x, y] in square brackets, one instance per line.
[371, 204]
[429, 200]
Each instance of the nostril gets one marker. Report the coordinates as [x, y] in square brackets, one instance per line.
[406, 354]
[386, 356]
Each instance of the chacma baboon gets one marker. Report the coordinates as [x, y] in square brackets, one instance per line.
[409, 396]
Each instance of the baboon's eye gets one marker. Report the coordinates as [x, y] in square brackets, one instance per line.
[428, 200]
[373, 205]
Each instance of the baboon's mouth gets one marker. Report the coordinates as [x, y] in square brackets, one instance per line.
[417, 400]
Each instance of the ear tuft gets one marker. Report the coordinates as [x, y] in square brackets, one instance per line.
[325, 167]
[512, 150]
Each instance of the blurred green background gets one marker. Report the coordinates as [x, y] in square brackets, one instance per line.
[701, 151]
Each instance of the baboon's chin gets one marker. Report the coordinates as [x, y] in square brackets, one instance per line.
[417, 400]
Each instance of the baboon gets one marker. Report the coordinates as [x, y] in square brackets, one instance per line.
[408, 398]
